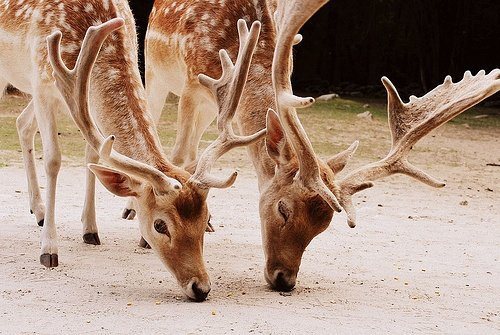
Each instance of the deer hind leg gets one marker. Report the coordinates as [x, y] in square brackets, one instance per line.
[206, 111]
[90, 234]
[129, 210]
[156, 92]
[194, 115]
[45, 111]
[26, 128]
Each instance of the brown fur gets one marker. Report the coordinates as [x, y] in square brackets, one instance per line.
[200, 51]
[208, 27]
[119, 107]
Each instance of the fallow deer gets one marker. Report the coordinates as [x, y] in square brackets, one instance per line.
[298, 191]
[408, 122]
[171, 203]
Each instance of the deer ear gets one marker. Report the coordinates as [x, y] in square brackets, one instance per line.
[115, 181]
[276, 144]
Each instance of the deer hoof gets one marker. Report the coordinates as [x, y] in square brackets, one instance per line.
[209, 228]
[49, 260]
[128, 214]
[40, 223]
[144, 244]
[91, 238]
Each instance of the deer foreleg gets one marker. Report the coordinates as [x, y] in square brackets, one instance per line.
[26, 128]
[195, 114]
[156, 91]
[45, 111]
[90, 234]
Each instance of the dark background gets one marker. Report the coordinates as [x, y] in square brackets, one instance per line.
[349, 44]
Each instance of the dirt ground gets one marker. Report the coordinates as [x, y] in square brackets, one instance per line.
[420, 260]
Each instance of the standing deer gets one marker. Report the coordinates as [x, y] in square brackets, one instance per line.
[105, 96]
[298, 191]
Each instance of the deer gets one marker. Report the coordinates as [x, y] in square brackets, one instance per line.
[106, 99]
[299, 192]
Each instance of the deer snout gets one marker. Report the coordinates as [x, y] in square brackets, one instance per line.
[281, 280]
[197, 290]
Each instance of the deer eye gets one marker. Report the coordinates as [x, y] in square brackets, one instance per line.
[161, 227]
[284, 210]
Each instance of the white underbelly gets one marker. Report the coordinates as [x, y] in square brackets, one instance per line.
[15, 62]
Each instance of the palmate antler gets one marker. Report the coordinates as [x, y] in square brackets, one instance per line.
[411, 121]
[408, 122]
[227, 91]
[74, 86]
[290, 16]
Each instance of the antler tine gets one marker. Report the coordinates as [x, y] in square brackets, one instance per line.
[74, 85]
[290, 16]
[227, 90]
[409, 122]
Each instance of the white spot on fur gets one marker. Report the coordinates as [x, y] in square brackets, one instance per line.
[48, 18]
[69, 48]
[62, 16]
[207, 43]
[166, 39]
[113, 74]
[88, 8]
[37, 16]
[28, 12]
[258, 10]
[189, 13]
[109, 49]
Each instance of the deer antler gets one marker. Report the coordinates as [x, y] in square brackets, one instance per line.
[411, 121]
[227, 90]
[74, 85]
[289, 20]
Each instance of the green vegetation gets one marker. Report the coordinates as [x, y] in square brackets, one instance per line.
[332, 126]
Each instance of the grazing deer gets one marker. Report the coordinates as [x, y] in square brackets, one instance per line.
[170, 202]
[298, 191]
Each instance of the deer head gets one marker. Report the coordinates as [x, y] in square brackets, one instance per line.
[171, 203]
[299, 201]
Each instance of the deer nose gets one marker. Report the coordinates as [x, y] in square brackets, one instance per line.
[283, 282]
[199, 291]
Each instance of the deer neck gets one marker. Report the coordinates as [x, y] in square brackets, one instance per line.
[120, 109]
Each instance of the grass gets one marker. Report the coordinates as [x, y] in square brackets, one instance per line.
[331, 126]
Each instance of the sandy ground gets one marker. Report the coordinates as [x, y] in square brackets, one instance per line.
[420, 261]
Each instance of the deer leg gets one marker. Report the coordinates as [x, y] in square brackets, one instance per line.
[192, 120]
[206, 112]
[186, 123]
[26, 128]
[90, 234]
[129, 211]
[45, 114]
[156, 92]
